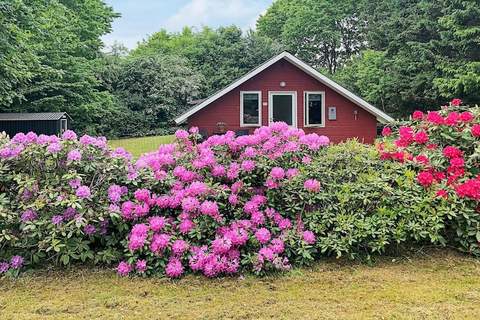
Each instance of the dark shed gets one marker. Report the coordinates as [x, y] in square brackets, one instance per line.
[41, 123]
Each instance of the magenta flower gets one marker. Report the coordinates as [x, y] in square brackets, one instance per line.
[4, 266]
[267, 253]
[221, 245]
[292, 173]
[29, 215]
[277, 173]
[309, 237]
[312, 185]
[210, 208]
[233, 199]
[284, 224]
[83, 192]
[54, 148]
[115, 193]
[74, 155]
[141, 266]
[157, 223]
[174, 268]
[262, 235]
[190, 204]
[75, 183]
[142, 195]
[193, 130]
[179, 247]
[89, 229]
[277, 246]
[69, 213]
[16, 262]
[159, 242]
[248, 165]
[181, 134]
[57, 219]
[186, 226]
[69, 135]
[124, 268]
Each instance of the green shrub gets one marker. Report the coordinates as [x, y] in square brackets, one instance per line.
[366, 205]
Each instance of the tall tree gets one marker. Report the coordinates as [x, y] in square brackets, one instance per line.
[324, 33]
[425, 53]
[62, 38]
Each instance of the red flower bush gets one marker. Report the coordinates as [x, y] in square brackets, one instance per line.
[443, 147]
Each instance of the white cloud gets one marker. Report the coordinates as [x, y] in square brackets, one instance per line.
[214, 13]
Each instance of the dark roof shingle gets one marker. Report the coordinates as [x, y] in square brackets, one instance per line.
[40, 116]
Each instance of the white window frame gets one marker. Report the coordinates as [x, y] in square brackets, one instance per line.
[245, 125]
[294, 105]
[305, 109]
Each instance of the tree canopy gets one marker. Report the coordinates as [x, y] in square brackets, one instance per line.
[220, 56]
[399, 55]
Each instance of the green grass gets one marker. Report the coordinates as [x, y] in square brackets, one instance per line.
[436, 285]
[138, 146]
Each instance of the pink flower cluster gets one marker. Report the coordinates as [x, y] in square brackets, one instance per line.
[210, 205]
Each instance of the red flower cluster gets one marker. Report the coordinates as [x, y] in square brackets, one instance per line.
[476, 130]
[470, 189]
[425, 178]
[427, 144]
[456, 102]
[452, 152]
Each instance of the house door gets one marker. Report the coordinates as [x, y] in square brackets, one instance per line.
[283, 107]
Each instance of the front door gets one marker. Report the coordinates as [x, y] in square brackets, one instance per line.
[282, 107]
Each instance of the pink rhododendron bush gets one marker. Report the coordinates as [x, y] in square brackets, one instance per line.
[211, 207]
[443, 150]
[54, 204]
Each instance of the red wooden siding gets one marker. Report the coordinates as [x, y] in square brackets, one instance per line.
[227, 108]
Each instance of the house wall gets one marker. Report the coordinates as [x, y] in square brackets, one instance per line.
[227, 108]
[47, 127]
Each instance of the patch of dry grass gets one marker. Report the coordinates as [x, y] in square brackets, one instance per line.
[437, 285]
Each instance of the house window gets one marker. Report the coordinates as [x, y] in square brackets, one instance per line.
[314, 109]
[250, 108]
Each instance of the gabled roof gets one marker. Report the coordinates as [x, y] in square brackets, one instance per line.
[381, 116]
[40, 116]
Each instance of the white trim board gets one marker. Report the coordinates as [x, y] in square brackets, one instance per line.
[381, 116]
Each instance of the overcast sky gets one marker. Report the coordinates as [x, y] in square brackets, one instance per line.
[144, 17]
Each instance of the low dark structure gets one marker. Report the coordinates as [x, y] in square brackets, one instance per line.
[41, 123]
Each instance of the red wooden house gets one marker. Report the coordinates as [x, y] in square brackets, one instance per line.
[287, 89]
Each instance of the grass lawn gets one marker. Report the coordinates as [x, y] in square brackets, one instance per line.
[433, 285]
[137, 146]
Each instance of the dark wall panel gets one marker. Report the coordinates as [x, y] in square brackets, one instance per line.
[39, 127]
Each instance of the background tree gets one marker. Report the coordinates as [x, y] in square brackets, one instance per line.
[154, 89]
[323, 33]
[62, 38]
[220, 55]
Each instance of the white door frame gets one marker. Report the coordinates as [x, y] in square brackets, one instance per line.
[294, 105]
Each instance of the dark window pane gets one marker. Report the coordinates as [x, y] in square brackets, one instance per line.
[282, 108]
[250, 108]
[314, 108]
